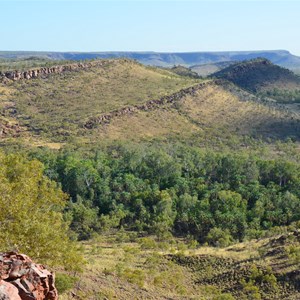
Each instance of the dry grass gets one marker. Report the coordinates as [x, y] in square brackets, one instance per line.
[213, 112]
[5, 95]
[123, 269]
[148, 125]
[216, 107]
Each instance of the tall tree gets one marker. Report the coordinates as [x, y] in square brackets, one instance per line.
[31, 216]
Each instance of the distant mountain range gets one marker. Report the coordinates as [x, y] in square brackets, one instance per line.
[280, 57]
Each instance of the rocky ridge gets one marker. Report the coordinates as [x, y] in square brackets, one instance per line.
[169, 99]
[22, 279]
[7, 76]
[149, 105]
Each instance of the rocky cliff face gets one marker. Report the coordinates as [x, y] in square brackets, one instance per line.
[22, 279]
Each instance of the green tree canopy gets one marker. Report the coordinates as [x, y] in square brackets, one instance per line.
[31, 216]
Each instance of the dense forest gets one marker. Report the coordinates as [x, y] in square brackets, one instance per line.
[217, 198]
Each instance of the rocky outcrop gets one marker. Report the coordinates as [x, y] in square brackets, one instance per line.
[46, 71]
[149, 105]
[22, 279]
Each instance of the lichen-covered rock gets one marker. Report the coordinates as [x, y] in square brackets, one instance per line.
[22, 279]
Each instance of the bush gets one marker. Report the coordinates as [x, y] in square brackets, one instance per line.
[218, 237]
[250, 290]
[122, 236]
[225, 296]
[293, 253]
[193, 244]
[134, 276]
[147, 243]
[251, 234]
[64, 282]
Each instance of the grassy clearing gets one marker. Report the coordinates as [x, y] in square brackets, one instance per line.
[124, 266]
[118, 268]
[118, 265]
[160, 123]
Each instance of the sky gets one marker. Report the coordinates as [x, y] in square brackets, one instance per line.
[162, 26]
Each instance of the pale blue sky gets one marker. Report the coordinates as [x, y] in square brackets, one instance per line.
[149, 25]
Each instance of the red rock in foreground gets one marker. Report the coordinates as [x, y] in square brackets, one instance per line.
[22, 279]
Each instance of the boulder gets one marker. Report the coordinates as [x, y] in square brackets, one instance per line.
[8, 291]
[22, 279]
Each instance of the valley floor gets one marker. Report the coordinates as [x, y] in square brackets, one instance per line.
[122, 266]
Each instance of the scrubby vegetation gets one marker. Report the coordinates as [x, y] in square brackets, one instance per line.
[152, 269]
[210, 68]
[282, 95]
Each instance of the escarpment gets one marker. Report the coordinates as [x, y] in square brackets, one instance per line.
[149, 105]
[22, 279]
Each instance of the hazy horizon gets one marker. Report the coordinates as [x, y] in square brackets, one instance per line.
[149, 51]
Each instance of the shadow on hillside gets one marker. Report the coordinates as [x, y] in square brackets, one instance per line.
[281, 130]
